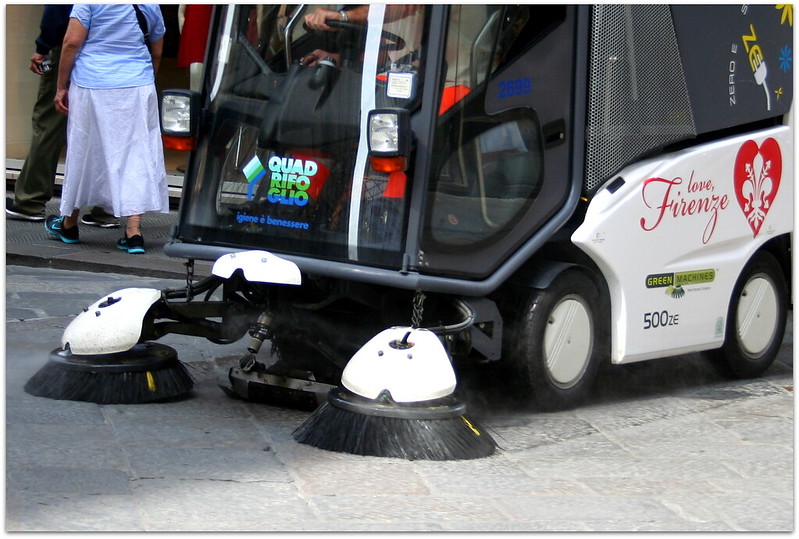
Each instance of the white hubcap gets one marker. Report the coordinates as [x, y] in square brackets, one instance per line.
[568, 341]
[757, 315]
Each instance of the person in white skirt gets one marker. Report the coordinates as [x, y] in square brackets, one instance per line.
[106, 85]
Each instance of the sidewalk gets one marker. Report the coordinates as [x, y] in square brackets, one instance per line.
[29, 244]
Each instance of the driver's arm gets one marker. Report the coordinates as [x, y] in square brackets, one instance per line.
[317, 20]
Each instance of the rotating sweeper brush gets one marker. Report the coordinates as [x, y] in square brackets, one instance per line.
[106, 355]
[149, 372]
[396, 399]
[101, 360]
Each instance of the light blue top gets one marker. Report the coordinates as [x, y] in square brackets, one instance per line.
[114, 54]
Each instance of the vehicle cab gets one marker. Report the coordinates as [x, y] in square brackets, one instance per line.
[394, 152]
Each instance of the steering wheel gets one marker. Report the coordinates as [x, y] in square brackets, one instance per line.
[395, 42]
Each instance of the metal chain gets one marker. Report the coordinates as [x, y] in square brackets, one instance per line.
[189, 278]
[418, 309]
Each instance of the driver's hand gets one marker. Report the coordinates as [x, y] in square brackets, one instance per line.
[318, 18]
[312, 58]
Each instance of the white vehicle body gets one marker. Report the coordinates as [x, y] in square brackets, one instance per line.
[672, 240]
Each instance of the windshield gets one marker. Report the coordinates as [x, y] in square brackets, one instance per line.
[285, 160]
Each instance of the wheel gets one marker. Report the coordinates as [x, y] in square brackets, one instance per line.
[755, 320]
[556, 340]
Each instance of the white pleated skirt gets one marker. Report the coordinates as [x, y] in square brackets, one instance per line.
[115, 157]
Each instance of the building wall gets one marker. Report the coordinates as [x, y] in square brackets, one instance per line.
[22, 28]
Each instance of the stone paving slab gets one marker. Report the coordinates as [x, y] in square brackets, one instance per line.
[51, 445]
[204, 505]
[588, 509]
[59, 512]
[24, 410]
[66, 480]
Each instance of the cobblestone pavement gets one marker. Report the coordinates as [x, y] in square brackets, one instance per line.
[663, 446]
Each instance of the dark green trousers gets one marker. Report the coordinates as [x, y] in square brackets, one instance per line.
[34, 187]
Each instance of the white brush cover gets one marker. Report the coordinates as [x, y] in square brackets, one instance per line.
[108, 327]
[258, 266]
[419, 373]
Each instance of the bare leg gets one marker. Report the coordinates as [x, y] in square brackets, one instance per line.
[72, 220]
[133, 226]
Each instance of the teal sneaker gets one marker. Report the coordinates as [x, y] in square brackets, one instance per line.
[55, 226]
[133, 245]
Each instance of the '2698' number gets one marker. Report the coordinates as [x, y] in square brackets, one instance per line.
[660, 319]
[514, 87]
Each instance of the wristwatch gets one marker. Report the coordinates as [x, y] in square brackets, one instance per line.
[344, 16]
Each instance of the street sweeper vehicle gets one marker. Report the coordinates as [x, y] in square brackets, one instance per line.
[545, 188]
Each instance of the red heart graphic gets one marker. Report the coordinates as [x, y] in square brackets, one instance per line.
[757, 176]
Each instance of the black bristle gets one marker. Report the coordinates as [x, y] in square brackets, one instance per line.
[335, 429]
[114, 383]
[55, 381]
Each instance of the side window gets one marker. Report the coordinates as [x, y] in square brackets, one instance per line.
[488, 169]
[471, 38]
[489, 175]
[487, 192]
[522, 26]
[481, 39]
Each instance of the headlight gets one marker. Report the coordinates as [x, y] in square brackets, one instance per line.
[384, 133]
[389, 139]
[176, 118]
[179, 111]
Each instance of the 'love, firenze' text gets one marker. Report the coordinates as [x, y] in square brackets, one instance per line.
[667, 199]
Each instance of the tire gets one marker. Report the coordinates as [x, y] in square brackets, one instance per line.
[755, 320]
[556, 339]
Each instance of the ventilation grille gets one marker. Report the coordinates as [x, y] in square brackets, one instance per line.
[637, 97]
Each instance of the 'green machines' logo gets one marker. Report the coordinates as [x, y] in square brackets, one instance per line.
[674, 282]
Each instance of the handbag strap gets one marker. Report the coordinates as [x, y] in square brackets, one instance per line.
[142, 24]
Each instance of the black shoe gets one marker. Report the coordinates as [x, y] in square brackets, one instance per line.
[133, 245]
[15, 213]
[55, 226]
[99, 221]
